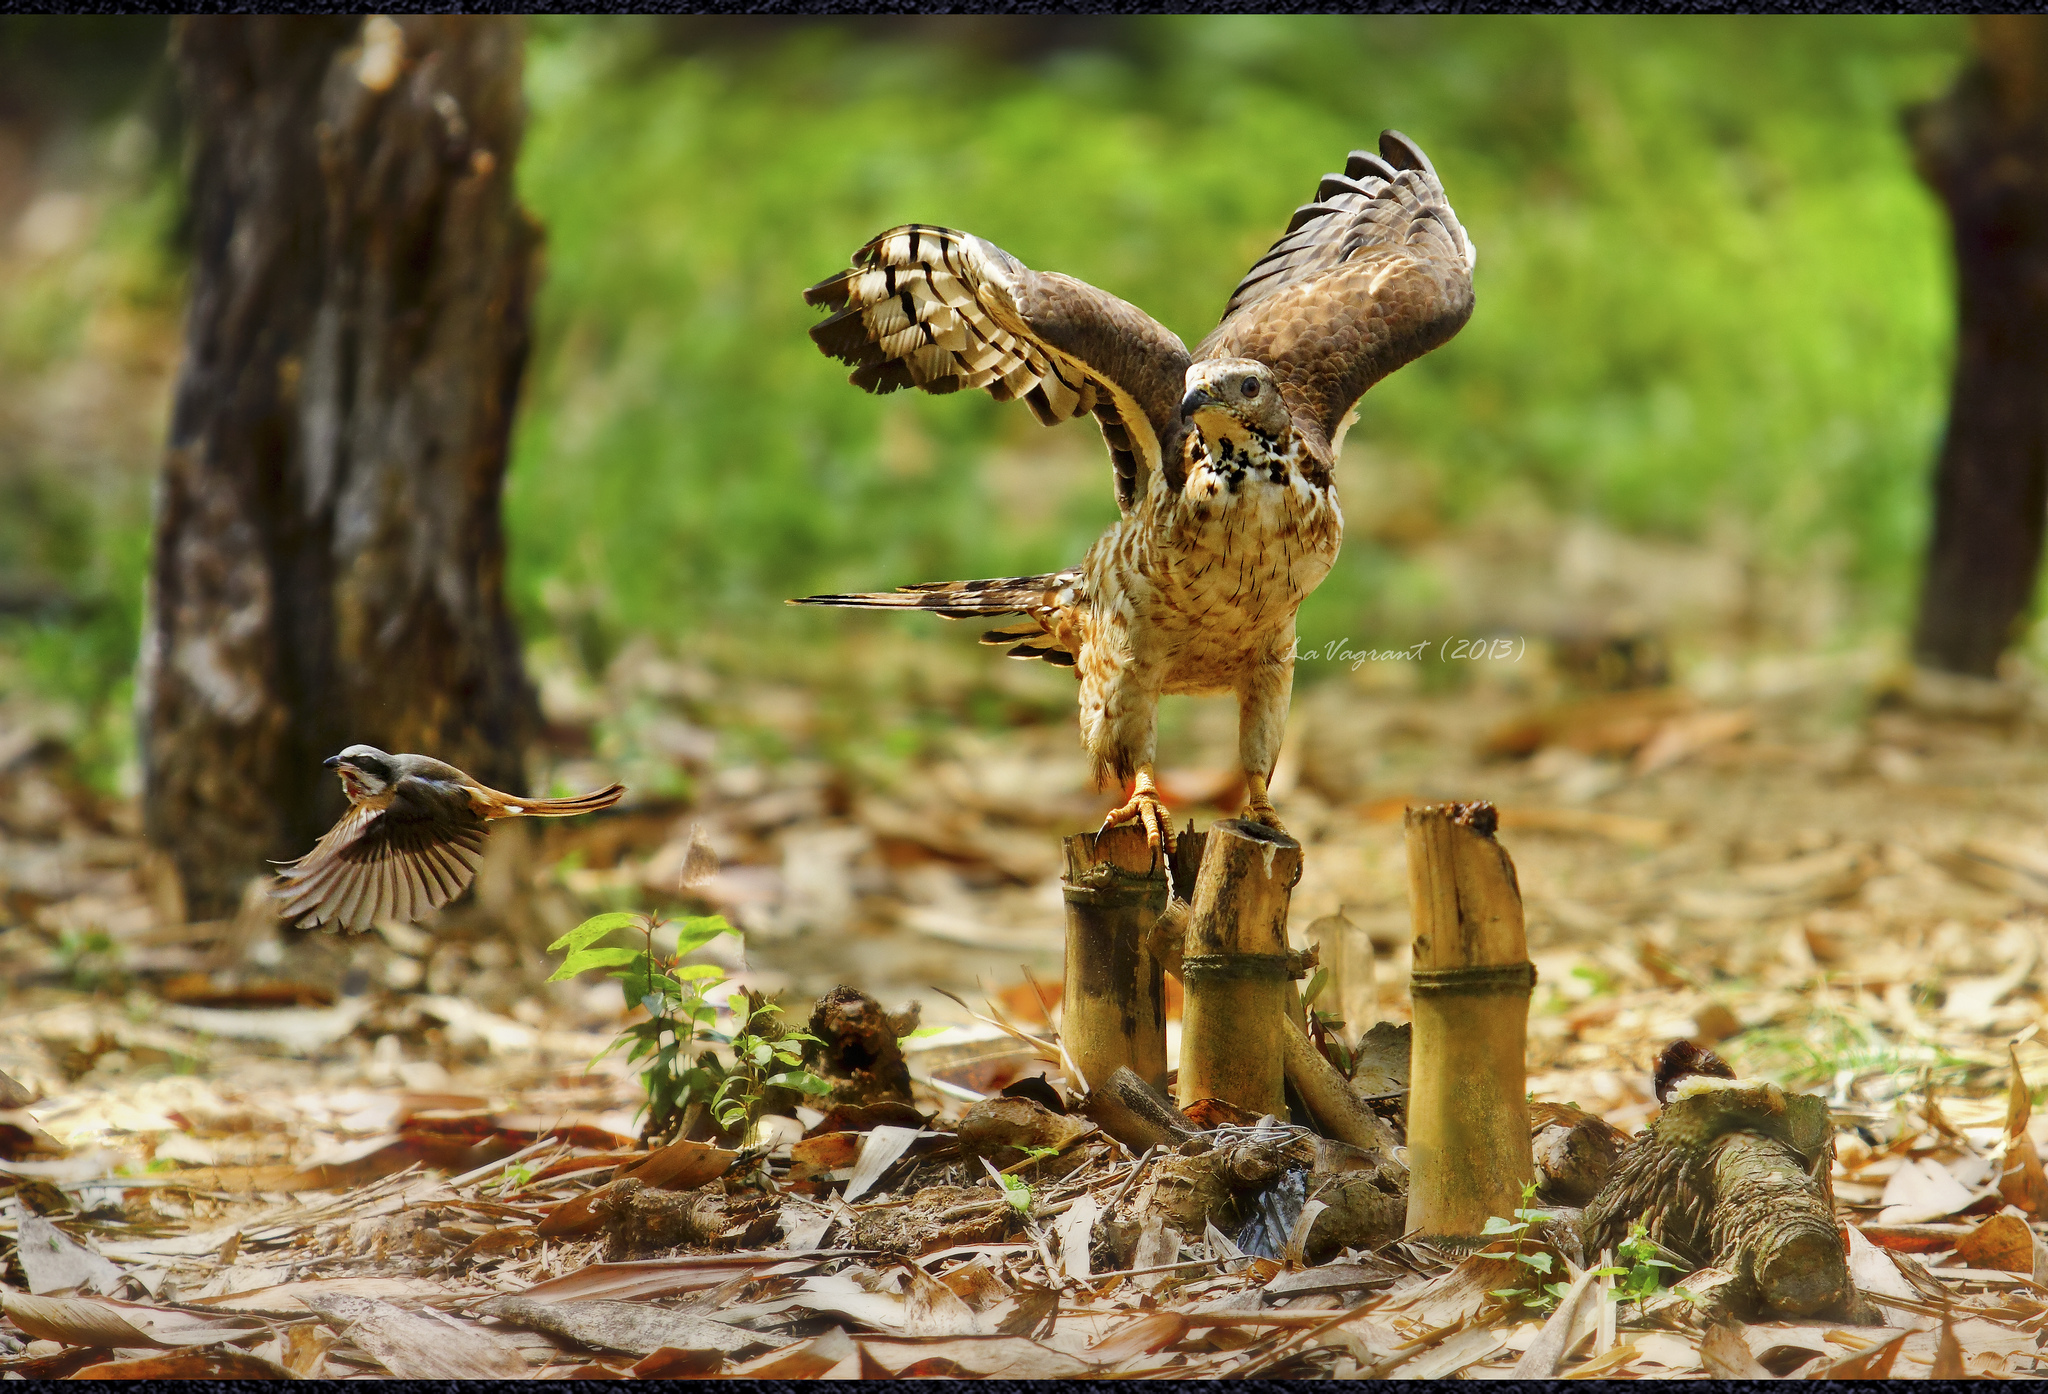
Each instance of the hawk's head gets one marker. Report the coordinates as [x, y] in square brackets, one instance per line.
[1231, 399]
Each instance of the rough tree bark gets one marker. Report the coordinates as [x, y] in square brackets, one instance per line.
[1983, 148]
[329, 557]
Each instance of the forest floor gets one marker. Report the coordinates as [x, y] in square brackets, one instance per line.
[232, 1152]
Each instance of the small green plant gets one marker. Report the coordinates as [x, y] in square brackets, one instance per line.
[1641, 1279]
[1533, 1292]
[764, 1054]
[760, 1044]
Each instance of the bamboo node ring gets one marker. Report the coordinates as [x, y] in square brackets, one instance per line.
[1215, 967]
[1477, 980]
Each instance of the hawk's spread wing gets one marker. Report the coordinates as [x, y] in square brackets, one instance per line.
[1373, 274]
[396, 862]
[941, 310]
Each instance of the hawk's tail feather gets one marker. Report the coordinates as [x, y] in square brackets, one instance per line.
[960, 600]
[966, 600]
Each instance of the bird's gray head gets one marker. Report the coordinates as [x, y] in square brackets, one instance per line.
[365, 771]
[1233, 398]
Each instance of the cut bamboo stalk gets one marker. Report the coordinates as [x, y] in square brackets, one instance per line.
[1468, 1111]
[1338, 1110]
[1236, 969]
[1113, 1007]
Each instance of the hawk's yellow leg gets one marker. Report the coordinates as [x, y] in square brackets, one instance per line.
[1259, 807]
[1144, 805]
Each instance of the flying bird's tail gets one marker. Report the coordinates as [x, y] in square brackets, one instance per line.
[1039, 597]
[569, 807]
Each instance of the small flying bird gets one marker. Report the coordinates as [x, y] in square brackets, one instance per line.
[410, 842]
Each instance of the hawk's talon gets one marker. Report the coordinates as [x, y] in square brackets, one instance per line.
[1145, 807]
[1259, 807]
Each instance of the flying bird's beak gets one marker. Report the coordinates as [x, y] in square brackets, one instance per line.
[331, 762]
[1194, 402]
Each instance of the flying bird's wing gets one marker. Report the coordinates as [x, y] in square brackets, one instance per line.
[1373, 274]
[938, 309]
[397, 862]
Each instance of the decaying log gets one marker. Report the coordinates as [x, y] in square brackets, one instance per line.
[1362, 1192]
[638, 1219]
[1113, 1010]
[1468, 1112]
[1236, 968]
[937, 1217]
[859, 1054]
[1575, 1152]
[1733, 1174]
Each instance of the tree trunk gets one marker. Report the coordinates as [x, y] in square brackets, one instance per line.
[329, 559]
[1983, 148]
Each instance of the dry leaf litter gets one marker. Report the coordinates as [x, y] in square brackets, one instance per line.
[231, 1154]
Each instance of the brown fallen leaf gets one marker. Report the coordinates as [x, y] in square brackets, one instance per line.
[52, 1261]
[1465, 1348]
[2003, 1242]
[931, 1308]
[1008, 1357]
[658, 1277]
[522, 1128]
[1145, 1333]
[805, 1360]
[633, 1327]
[680, 1166]
[588, 1161]
[419, 1347]
[103, 1322]
[1874, 1271]
[1573, 1320]
[2021, 1180]
[1923, 1189]
[1874, 1362]
[215, 1362]
[671, 1363]
[303, 1348]
[1914, 1239]
[1725, 1354]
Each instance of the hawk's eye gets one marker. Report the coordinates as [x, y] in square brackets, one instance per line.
[1251, 387]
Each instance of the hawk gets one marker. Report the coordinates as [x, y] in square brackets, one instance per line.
[1223, 456]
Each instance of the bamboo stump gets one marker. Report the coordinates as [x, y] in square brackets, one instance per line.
[1113, 1007]
[1236, 969]
[1468, 1112]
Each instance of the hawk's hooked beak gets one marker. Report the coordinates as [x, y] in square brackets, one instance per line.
[1194, 402]
[331, 762]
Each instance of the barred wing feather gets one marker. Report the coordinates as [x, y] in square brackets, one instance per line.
[937, 309]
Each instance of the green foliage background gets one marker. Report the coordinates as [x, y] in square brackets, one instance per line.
[1710, 287]
[1709, 284]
